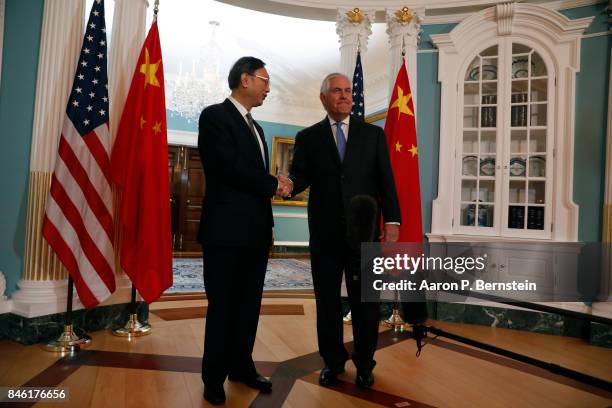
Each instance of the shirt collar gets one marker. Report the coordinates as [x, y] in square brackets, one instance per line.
[243, 111]
[345, 121]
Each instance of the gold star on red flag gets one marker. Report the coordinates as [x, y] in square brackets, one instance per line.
[157, 127]
[398, 147]
[401, 103]
[149, 70]
[414, 150]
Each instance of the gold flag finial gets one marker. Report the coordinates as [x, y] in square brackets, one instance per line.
[355, 16]
[404, 16]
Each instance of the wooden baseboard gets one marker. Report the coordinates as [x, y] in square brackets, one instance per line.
[295, 294]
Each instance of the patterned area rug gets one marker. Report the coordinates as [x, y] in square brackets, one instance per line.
[282, 274]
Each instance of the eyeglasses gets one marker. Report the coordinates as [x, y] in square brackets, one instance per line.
[263, 78]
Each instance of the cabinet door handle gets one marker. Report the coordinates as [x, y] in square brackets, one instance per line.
[188, 201]
[502, 266]
[181, 242]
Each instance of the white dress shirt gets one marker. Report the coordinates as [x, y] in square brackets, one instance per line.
[345, 127]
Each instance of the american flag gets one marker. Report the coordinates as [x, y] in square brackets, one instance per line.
[358, 109]
[78, 222]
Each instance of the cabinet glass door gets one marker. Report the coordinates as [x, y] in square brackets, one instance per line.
[479, 141]
[528, 152]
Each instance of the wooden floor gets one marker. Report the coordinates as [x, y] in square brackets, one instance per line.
[163, 369]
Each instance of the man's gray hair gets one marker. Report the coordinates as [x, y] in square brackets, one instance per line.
[325, 83]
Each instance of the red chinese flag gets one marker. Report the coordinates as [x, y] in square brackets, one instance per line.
[400, 130]
[140, 170]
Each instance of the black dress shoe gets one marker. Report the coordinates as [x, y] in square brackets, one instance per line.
[329, 376]
[214, 395]
[364, 379]
[257, 381]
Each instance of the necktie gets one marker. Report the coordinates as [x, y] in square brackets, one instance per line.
[340, 140]
[252, 127]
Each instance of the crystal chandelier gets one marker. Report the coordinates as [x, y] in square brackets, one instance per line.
[203, 86]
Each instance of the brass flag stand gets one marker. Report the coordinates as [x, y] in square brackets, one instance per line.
[395, 321]
[69, 341]
[133, 327]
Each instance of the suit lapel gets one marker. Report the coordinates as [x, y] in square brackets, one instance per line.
[246, 131]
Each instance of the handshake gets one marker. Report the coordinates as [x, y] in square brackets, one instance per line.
[285, 186]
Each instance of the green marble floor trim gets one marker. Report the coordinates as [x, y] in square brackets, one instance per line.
[44, 328]
[537, 322]
[533, 321]
[601, 335]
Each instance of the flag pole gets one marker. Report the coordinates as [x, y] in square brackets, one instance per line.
[69, 341]
[395, 321]
[348, 317]
[133, 327]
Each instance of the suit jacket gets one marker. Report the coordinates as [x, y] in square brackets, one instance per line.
[237, 210]
[366, 170]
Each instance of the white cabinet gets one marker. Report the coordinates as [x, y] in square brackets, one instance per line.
[507, 125]
[552, 267]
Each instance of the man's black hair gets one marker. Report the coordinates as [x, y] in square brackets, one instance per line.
[244, 65]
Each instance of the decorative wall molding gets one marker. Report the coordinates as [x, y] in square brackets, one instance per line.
[556, 38]
[505, 14]
[177, 137]
[354, 33]
[6, 306]
[593, 35]
[292, 243]
[41, 298]
[290, 215]
[447, 12]
[2, 6]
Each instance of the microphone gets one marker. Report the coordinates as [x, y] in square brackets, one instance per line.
[361, 220]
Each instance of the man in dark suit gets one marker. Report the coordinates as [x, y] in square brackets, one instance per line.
[235, 228]
[340, 158]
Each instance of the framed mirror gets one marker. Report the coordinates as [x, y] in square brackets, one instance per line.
[282, 155]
